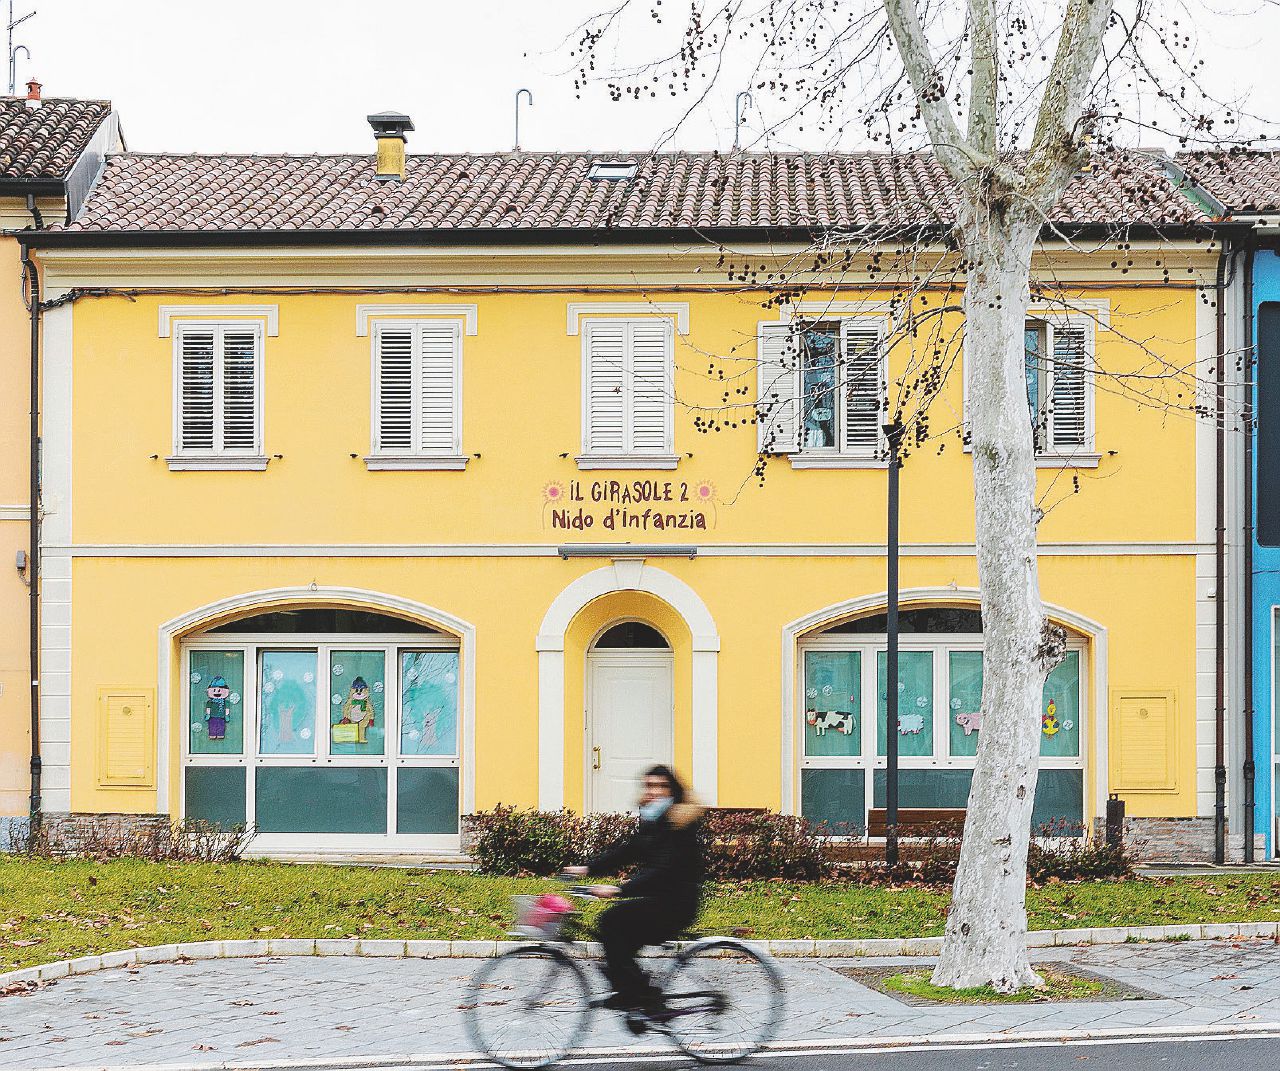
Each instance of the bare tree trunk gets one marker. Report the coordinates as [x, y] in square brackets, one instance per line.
[986, 928]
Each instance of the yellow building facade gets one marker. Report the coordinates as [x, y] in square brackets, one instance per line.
[355, 538]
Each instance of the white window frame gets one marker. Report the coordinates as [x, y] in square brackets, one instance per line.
[1047, 455]
[251, 757]
[840, 456]
[628, 457]
[940, 644]
[252, 460]
[416, 459]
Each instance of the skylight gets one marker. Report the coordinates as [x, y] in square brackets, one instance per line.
[612, 171]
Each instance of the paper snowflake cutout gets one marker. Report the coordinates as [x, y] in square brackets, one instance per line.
[812, 693]
[450, 678]
[308, 677]
[195, 678]
[826, 689]
[305, 734]
[414, 734]
[337, 699]
[921, 701]
[1068, 725]
[234, 697]
[196, 727]
[338, 669]
[377, 686]
[956, 704]
[277, 674]
[268, 687]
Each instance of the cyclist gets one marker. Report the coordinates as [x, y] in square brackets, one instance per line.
[660, 898]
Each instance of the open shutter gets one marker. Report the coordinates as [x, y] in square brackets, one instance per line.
[779, 382]
[863, 375]
[439, 343]
[394, 433]
[606, 375]
[196, 389]
[650, 386]
[1069, 421]
[239, 390]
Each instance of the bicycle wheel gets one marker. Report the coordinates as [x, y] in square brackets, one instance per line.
[528, 1007]
[724, 1001]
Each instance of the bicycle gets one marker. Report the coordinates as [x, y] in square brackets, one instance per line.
[531, 1006]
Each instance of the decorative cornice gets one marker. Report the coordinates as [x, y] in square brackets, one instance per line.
[469, 314]
[169, 313]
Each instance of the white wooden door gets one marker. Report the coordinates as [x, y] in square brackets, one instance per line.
[629, 724]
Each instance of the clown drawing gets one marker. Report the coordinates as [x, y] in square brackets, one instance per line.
[215, 708]
[358, 709]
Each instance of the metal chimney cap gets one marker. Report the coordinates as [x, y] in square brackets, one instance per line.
[390, 124]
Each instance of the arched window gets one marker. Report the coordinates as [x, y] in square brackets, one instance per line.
[841, 721]
[632, 634]
[322, 720]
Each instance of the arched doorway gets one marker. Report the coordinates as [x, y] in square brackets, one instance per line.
[324, 723]
[837, 726]
[630, 712]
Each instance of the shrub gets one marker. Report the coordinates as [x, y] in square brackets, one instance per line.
[103, 837]
[509, 840]
[1065, 853]
[762, 844]
[512, 840]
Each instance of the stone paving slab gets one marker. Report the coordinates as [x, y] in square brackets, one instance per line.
[309, 1008]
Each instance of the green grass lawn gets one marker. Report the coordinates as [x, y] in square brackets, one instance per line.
[58, 910]
[1057, 986]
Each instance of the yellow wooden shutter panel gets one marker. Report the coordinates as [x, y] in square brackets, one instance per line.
[126, 738]
[1142, 743]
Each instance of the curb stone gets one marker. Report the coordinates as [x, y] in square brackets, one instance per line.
[397, 949]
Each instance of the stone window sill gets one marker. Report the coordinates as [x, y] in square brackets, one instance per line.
[416, 462]
[217, 462]
[627, 461]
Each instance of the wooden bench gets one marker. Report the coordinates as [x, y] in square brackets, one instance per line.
[918, 821]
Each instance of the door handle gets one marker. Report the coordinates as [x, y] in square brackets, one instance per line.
[595, 758]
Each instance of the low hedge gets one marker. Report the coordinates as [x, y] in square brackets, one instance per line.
[749, 845]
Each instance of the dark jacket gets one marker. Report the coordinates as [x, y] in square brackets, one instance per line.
[666, 855]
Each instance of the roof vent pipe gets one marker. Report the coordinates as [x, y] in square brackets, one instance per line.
[389, 128]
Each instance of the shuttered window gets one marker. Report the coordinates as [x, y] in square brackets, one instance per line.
[417, 375]
[628, 387]
[219, 389]
[822, 387]
[1059, 385]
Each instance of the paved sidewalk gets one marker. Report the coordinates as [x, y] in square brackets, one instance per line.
[269, 1010]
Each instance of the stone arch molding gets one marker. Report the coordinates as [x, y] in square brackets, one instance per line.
[626, 576]
[827, 616]
[247, 603]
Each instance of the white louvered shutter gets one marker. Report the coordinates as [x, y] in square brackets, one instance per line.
[239, 390]
[394, 432]
[778, 379]
[864, 379]
[196, 388]
[650, 344]
[606, 379]
[439, 344]
[1069, 420]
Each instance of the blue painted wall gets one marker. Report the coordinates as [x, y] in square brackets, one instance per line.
[1266, 596]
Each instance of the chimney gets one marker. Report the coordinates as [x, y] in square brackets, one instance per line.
[33, 94]
[389, 129]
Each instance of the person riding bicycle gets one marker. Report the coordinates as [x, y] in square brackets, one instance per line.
[660, 898]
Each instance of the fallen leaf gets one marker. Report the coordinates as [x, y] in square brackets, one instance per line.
[203, 1048]
[260, 1041]
[145, 1033]
[116, 1043]
[242, 1004]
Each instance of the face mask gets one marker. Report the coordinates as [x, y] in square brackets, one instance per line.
[655, 809]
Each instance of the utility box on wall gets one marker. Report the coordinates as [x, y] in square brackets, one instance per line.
[1143, 742]
[126, 738]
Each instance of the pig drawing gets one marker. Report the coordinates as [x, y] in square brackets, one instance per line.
[970, 722]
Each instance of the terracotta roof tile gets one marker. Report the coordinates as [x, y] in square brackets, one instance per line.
[43, 143]
[551, 190]
[1247, 183]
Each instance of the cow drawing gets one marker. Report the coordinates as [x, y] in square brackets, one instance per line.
[840, 720]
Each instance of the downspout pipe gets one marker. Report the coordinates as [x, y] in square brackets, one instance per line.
[1220, 570]
[32, 279]
[1249, 367]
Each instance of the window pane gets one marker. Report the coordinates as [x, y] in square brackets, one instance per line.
[215, 794]
[833, 700]
[357, 709]
[427, 799]
[915, 701]
[216, 684]
[287, 701]
[964, 670]
[1060, 713]
[428, 702]
[1059, 803]
[835, 797]
[924, 788]
[323, 799]
[819, 347]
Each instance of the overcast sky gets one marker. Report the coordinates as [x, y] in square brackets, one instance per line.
[301, 75]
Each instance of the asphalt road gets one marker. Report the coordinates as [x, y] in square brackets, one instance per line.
[1137, 1054]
